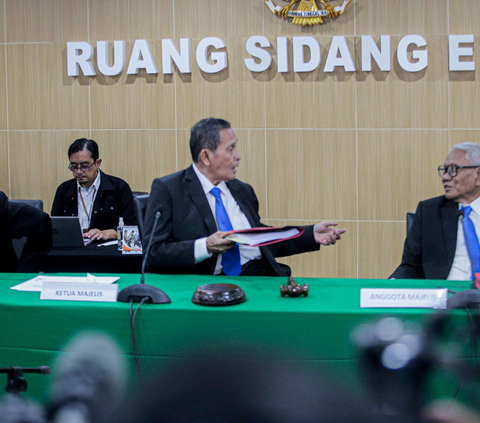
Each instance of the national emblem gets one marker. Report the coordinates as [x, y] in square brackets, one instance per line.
[307, 12]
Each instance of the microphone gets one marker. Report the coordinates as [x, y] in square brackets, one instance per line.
[43, 370]
[89, 381]
[16, 382]
[461, 214]
[138, 292]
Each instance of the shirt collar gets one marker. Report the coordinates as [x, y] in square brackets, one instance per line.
[96, 183]
[207, 184]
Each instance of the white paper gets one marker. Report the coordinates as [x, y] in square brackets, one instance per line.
[35, 284]
[255, 238]
[106, 244]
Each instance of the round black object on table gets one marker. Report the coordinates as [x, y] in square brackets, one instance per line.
[218, 294]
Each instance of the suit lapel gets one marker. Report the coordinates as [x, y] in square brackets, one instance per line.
[195, 190]
[450, 227]
[245, 207]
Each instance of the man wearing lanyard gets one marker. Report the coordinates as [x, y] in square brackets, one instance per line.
[443, 242]
[98, 199]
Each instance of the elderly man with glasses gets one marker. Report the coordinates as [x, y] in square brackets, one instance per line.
[98, 199]
[443, 242]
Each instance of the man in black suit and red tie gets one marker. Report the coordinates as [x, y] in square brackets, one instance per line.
[442, 242]
[199, 204]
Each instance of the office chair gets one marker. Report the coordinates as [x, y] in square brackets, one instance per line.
[138, 193]
[410, 219]
[18, 244]
[140, 205]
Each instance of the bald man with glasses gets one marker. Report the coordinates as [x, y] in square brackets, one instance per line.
[98, 199]
[443, 242]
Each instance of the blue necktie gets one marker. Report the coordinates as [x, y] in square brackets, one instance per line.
[231, 259]
[471, 240]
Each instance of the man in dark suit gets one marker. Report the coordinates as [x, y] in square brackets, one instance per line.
[192, 201]
[435, 246]
[97, 198]
[18, 220]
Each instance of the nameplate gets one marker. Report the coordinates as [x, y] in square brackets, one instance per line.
[403, 298]
[79, 292]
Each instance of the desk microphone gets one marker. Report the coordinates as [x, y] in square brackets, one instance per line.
[138, 292]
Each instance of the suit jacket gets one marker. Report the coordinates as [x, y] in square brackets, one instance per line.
[16, 221]
[186, 216]
[430, 245]
[114, 199]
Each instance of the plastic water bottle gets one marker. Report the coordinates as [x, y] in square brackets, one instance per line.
[120, 234]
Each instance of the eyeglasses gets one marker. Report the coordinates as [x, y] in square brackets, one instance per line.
[452, 170]
[83, 167]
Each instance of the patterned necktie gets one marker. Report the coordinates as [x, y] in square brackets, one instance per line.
[231, 259]
[471, 240]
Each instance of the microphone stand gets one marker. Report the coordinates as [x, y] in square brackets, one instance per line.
[139, 291]
[470, 298]
[16, 382]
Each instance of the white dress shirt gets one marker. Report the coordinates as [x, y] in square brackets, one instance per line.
[237, 218]
[88, 195]
[461, 268]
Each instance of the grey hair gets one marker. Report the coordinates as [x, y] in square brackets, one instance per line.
[472, 151]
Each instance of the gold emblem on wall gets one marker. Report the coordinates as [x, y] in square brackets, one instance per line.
[307, 12]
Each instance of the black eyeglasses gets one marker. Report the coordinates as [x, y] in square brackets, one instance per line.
[83, 167]
[452, 170]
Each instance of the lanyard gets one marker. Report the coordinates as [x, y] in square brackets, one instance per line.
[83, 203]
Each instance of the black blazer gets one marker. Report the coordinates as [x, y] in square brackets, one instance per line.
[114, 199]
[16, 221]
[186, 216]
[430, 245]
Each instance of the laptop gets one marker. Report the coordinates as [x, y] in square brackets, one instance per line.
[67, 232]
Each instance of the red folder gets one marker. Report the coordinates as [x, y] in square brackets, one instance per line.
[258, 237]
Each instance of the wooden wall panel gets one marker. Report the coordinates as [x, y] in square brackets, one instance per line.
[398, 99]
[464, 17]
[46, 20]
[232, 93]
[380, 246]
[217, 18]
[465, 95]
[339, 260]
[464, 135]
[40, 95]
[130, 19]
[396, 170]
[4, 167]
[39, 163]
[140, 101]
[376, 17]
[310, 100]
[2, 21]
[137, 156]
[3, 90]
[311, 175]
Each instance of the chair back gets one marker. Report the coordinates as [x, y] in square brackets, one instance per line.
[140, 205]
[410, 219]
[18, 244]
[139, 193]
[38, 204]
